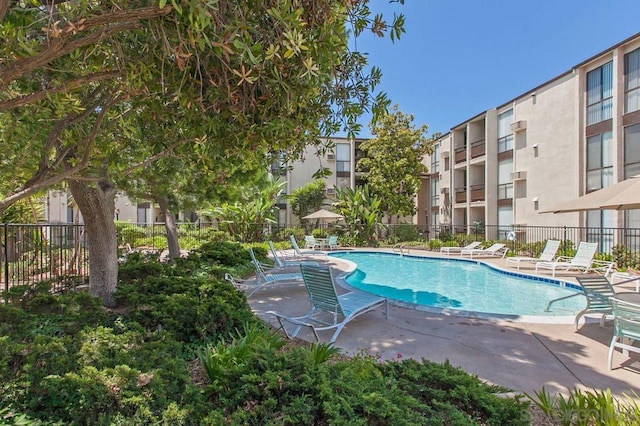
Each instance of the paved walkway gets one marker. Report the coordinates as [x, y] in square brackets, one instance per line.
[521, 356]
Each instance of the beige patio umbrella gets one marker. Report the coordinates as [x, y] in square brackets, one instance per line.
[624, 195]
[323, 214]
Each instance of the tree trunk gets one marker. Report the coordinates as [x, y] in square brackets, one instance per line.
[97, 205]
[170, 226]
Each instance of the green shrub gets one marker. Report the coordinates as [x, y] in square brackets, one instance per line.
[224, 253]
[597, 407]
[128, 233]
[625, 257]
[435, 244]
[405, 232]
[319, 233]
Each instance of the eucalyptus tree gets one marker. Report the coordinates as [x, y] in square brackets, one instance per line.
[393, 162]
[75, 78]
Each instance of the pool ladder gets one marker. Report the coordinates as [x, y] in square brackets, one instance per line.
[401, 248]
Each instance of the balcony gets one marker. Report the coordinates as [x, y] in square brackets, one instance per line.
[461, 194]
[477, 192]
[460, 154]
[477, 148]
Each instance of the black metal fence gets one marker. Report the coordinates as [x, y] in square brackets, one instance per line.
[43, 252]
[58, 252]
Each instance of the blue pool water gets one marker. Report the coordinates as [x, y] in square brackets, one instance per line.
[458, 284]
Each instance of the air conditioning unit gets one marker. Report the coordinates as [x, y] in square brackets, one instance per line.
[518, 126]
[444, 154]
[444, 190]
[330, 191]
[518, 175]
[331, 157]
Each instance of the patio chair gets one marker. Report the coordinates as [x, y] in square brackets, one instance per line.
[310, 242]
[456, 250]
[281, 263]
[332, 242]
[547, 255]
[581, 262]
[598, 291]
[325, 301]
[303, 253]
[496, 250]
[626, 325]
[266, 278]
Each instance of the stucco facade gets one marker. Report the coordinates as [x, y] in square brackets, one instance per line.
[556, 142]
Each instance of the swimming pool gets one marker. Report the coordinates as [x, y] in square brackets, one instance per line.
[459, 284]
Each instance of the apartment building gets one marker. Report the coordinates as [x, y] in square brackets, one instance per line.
[341, 162]
[574, 134]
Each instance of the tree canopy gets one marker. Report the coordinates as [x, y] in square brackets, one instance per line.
[83, 83]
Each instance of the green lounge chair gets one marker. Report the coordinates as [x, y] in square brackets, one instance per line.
[626, 325]
[325, 301]
[598, 291]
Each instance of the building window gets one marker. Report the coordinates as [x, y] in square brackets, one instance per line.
[632, 81]
[435, 159]
[343, 157]
[631, 229]
[600, 94]
[143, 212]
[435, 192]
[505, 221]
[505, 135]
[631, 151]
[505, 185]
[600, 229]
[599, 161]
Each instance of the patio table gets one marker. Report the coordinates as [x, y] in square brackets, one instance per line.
[628, 296]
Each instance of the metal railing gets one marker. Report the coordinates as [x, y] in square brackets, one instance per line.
[32, 253]
[58, 252]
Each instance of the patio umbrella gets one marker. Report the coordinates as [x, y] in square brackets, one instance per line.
[323, 214]
[624, 195]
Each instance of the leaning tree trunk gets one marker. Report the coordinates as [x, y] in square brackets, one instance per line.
[97, 205]
[170, 226]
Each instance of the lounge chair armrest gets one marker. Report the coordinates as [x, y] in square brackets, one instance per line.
[604, 266]
[563, 259]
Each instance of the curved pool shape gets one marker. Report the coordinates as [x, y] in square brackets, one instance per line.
[460, 285]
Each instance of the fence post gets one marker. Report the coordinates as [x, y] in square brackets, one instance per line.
[6, 259]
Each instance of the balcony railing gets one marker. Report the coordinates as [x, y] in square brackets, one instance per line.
[461, 194]
[460, 154]
[478, 148]
[477, 192]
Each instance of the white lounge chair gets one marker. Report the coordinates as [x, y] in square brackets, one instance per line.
[581, 262]
[282, 263]
[547, 255]
[496, 250]
[457, 250]
[325, 301]
[302, 253]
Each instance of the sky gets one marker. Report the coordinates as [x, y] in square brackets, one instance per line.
[459, 58]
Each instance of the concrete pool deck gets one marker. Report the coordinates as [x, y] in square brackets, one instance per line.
[519, 355]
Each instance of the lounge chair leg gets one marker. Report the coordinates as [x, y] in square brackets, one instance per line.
[578, 316]
[611, 349]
